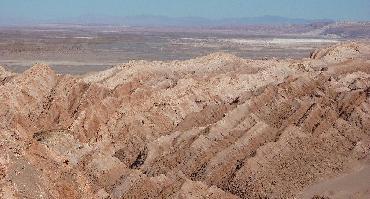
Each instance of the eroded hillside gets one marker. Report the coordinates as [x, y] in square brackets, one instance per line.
[212, 127]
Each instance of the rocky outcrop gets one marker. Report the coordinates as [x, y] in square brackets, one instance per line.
[212, 127]
[5, 75]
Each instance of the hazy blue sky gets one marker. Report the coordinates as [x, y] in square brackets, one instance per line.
[311, 9]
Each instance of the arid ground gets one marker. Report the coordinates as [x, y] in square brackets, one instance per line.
[82, 49]
[215, 126]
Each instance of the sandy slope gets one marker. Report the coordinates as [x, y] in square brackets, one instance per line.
[212, 127]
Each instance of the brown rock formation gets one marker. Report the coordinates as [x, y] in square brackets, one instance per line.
[211, 127]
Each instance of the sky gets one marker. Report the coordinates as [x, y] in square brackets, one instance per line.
[213, 9]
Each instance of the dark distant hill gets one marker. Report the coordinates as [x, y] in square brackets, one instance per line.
[348, 29]
[188, 21]
[161, 21]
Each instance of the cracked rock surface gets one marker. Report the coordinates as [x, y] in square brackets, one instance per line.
[212, 127]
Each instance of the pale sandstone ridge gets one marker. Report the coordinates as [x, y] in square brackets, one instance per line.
[212, 127]
[340, 52]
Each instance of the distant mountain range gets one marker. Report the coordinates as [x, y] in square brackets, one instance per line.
[158, 21]
[186, 21]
